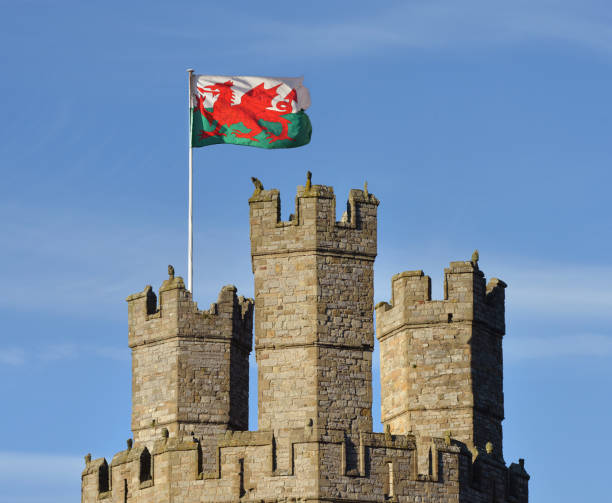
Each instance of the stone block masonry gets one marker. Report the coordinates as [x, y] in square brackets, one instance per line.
[441, 373]
[189, 367]
[313, 296]
[441, 361]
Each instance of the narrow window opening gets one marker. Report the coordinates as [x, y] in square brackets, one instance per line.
[103, 478]
[151, 302]
[274, 454]
[145, 466]
[241, 475]
[200, 468]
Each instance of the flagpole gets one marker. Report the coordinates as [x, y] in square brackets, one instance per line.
[190, 224]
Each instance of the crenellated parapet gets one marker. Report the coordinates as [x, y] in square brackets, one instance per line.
[323, 464]
[466, 298]
[441, 360]
[189, 366]
[177, 315]
[313, 226]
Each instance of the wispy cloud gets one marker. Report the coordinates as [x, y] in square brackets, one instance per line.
[565, 290]
[445, 24]
[12, 356]
[85, 265]
[58, 353]
[579, 345]
[34, 477]
[117, 354]
[48, 467]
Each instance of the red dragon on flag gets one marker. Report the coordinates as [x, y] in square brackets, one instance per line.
[256, 111]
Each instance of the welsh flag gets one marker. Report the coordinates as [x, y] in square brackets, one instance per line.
[265, 112]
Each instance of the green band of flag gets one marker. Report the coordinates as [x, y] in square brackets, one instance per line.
[283, 131]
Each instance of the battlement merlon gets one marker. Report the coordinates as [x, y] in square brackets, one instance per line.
[466, 298]
[313, 226]
[177, 315]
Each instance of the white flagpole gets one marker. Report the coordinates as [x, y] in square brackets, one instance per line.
[190, 225]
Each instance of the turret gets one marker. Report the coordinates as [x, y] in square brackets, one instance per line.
[313, 298]
[441, 360]
[190, 370]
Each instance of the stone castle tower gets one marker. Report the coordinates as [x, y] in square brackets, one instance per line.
[441, 373]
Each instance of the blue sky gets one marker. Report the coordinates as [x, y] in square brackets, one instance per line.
[478, 124]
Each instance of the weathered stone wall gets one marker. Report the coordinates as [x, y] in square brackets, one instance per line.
[189, 367]
[441, 361]
[386, 468]
[441, 371]
[313, 298]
